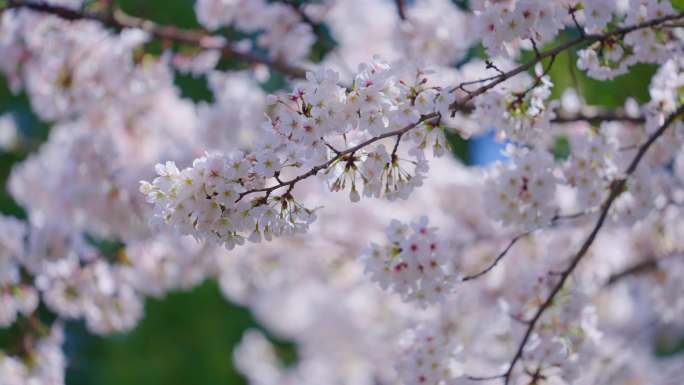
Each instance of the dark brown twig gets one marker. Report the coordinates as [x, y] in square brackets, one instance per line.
[401, 9]
[598, 117]
[498, 259]
[641, 267]
[645, 266]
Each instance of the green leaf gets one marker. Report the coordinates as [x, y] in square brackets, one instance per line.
[459, 146]
[561, 148]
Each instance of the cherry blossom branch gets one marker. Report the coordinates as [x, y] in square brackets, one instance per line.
[583, 39]
[340, 155]
[617, 187]
[117, 19]
[463, 104]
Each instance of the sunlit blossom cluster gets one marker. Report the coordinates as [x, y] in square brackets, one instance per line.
[227, 199]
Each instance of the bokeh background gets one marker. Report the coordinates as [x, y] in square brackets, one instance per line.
[188, 337]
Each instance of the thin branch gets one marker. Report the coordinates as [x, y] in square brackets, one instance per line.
[393, 156]
[565, 217]
[498, 259]
[617, 115]
[485, 378]
[537, 79]
[572, 11]
[200, 38]
[514, 240]
[645, 266]
[641, 267]
[490, 65]
[534, 46]
[330, 146]
[401, 9]
[617, 187]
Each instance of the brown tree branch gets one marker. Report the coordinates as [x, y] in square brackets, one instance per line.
[401, 9]
[599, 116]
[641, 267]
[646, 266]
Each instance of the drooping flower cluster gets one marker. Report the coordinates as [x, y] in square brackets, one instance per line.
[203, 200]
[414, 263]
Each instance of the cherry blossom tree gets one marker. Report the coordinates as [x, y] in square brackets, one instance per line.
[331, 205]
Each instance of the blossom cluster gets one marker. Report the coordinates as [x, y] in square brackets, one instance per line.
[433, 357]
[202, 200]
[414, 263]
[504, 25]
[522, 192]
[519, 114]
[227, 199]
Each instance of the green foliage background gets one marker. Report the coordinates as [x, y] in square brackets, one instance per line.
[187, 338]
